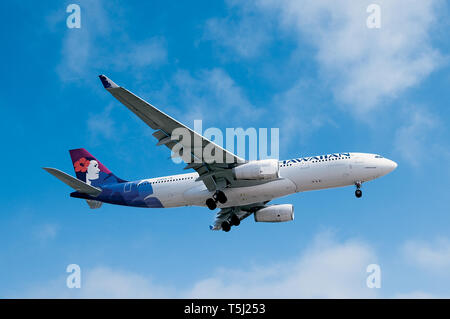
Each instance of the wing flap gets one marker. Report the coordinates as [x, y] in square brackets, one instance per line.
[225, 213]
[240, 211]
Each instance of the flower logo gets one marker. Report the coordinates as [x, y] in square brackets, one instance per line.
[81, 165]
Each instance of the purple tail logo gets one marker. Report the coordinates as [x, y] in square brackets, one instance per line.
[89, 170]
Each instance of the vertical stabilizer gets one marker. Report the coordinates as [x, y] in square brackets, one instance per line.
[90, 170]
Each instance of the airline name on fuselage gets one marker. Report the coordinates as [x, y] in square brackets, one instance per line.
[316, 158]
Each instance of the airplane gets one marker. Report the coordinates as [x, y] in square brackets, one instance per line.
[221, 179]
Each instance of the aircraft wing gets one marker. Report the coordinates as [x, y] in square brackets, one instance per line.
[212, 166]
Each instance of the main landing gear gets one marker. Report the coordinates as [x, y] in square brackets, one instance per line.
[218, 196]
[233, 221]
[211, 203]
[226, 226]
[358, 192]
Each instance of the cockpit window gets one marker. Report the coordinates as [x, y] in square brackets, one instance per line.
[378, 156]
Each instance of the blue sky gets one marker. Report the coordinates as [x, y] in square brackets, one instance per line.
[313, 69]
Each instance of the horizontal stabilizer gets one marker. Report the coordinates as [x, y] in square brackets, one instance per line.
[73, 182]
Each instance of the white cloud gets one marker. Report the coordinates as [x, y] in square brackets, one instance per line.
[76, 52]
[415, 295]
[364, 66]
[213, 95]
[235, 35]
[107, 283]
[46, 231]
[101, 125]
[78, 45]
[431, 256]
[151, 52]
[100, 282]
[241, 33]
[328, 269]
[299, 114]
[415, 137]
[101, 42]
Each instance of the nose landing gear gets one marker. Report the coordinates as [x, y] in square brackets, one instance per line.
[358, 192]
[218, 196]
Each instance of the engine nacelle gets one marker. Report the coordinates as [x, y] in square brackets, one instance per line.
[263, 169]
[275, 214]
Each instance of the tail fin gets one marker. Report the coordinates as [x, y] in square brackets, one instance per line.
[89, 170]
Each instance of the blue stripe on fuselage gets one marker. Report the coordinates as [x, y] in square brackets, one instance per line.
[130, 194]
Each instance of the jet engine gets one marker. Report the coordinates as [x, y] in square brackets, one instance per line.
[275, 213]
[263, 169]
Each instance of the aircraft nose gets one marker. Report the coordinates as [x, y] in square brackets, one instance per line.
[390, 165]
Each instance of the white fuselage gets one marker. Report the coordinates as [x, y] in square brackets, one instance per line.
[296, 175]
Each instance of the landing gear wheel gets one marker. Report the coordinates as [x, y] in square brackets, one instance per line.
[226, 226]
[220, 197]
[211, 203]
[358, 193]
[234, 220]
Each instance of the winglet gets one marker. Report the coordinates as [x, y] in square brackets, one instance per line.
[107, 83]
